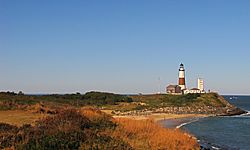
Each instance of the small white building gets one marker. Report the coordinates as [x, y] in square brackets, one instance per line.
[193, 91]
[200, 84]
[200, 88]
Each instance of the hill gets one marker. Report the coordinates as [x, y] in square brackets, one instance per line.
[209, 103]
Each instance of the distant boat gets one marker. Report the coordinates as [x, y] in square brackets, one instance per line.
[233, 98]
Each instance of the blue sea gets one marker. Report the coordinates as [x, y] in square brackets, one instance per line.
[230, 133]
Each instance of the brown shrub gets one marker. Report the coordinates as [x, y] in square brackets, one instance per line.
[64, 121]
[7, 132]
[99, 119]
[44, 109]
[93, 113]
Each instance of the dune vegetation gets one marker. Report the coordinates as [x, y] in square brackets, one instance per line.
[89, 128]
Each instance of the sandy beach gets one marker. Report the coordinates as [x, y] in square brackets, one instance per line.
[168, 120]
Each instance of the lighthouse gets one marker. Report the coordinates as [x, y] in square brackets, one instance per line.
[182, 83]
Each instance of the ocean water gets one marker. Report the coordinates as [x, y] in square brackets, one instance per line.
[230, 133]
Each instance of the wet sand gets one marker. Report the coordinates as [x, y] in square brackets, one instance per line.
[178, 122]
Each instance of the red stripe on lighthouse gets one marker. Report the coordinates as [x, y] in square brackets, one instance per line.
[181, 81]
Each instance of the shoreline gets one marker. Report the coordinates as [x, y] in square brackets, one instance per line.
[177, 120]
[177, 123]
[185, 123]
[168, 120]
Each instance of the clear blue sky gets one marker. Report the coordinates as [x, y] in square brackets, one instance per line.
[57, 46]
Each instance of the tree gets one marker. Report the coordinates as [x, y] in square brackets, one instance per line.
[20, 93]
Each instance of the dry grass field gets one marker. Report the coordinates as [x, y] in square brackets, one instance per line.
[20, 117]
[146, 134]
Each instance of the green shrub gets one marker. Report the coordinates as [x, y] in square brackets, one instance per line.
[99, 98]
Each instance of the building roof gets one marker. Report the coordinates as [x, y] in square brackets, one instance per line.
[172, 86]
[194, 89]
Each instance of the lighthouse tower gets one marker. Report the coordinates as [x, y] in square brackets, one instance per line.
[182, 77]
